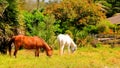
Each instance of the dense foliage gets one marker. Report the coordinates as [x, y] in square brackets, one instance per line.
[40, 25]
[76, 14]
[9, 18]
[111, 7]
[78, 18]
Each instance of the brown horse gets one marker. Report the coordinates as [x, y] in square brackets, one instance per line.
[29, 43]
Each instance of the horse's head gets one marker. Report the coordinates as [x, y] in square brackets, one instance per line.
[74, 49]
[50, 52]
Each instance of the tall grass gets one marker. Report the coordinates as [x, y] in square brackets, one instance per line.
[86, 57]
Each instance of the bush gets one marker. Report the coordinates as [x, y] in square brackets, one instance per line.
[38, 24]
[104, 26]
[81, 38]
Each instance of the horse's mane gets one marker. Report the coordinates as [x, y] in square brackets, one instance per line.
[46, 46]
[49, 47]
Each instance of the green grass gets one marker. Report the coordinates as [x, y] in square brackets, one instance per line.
[88, 57]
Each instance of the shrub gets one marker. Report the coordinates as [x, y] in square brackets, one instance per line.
[104, 26]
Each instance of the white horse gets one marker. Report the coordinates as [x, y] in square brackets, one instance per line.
[64, 39]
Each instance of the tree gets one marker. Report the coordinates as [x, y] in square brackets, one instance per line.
[114, 7]
[38, 24]
[38, 4]
[3, 5]
[111, 7]
[75, 14]
[9, 21]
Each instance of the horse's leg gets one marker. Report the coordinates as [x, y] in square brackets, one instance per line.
[10, 50]
[37, 52]
[68, 49]
[15, 52]
[61, 49]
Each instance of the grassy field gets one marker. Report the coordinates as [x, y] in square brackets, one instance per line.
[88, 57]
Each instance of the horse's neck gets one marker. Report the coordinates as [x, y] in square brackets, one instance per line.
[73, 44]
[46, 46]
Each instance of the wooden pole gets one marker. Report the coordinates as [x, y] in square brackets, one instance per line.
[38, 1]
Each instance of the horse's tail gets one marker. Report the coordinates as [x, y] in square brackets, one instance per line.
[10, 44]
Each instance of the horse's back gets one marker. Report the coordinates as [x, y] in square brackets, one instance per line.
[64, 38]
[25, 41]
[29, 42]
[17, 38]
[60, 36]
[39, 41]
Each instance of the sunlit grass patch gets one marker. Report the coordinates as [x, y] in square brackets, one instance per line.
[86, 57]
